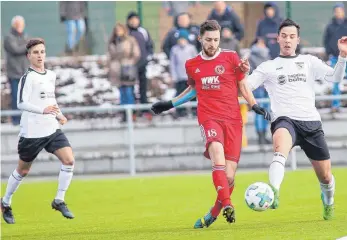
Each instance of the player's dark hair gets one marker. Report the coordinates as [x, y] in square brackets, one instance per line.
[209, 25]
[33, 42]
[289, 23]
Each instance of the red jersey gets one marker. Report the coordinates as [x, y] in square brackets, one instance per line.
[215, 80]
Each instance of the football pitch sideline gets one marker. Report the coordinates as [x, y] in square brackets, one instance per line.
[167, 208]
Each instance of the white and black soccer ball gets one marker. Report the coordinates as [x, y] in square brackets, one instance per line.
[259, 196]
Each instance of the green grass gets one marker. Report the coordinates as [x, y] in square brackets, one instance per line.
[167, 207]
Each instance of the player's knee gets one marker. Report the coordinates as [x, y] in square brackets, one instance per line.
[68, 161]
[325, 177]
[216, 148]
[23, 172]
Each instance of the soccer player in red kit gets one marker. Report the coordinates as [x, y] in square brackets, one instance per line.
[215, 77]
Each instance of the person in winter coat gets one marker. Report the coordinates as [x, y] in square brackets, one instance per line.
[180, 53]
[228, 40]
[224, 15]
[334, 31]
[16, 60]
[124, 53]
[268, 28]
[182, 21]
[146, 45]
[260, 53]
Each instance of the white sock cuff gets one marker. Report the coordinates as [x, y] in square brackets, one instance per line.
[67, 168]
[16, 175]
[280, 158]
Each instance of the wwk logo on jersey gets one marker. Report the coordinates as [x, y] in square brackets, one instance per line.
[211, 82]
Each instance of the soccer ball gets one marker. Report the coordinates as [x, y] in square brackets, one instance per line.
[259, 196]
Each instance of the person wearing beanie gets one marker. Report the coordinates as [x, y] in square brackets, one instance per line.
[336, 29]
[181, 21]
[146, 45]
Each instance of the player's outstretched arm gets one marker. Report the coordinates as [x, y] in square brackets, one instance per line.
[248, 95]
[184, 97]
[327, 73]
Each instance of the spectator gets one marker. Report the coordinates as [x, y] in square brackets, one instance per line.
[182, 21]
[333, 32]
[260, 53]
[228, 40]
[268, 28]
[146, 45]
[224, 15]
[180, 53]
[174, 8]
[73, 14]
[124, 54]
[16, 60]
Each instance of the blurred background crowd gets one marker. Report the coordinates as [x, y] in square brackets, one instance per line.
[109, 53]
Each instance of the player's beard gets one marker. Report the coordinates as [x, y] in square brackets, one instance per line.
[209, 52]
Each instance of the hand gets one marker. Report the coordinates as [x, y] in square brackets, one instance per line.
[162, 106]
[342, 45]
[51, 110]
[262, 111]
[244, 65]
[62, 119]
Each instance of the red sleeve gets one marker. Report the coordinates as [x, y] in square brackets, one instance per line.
[191, 81]
[236, 61]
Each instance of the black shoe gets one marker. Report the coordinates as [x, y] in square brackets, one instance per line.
[229, 214]
[7, 213]
[62, 207]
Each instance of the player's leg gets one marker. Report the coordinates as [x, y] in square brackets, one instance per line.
[61, 148]
[70, 31]
[284, 137]
[213, 136]
[28, 149]
[13, 183]
[316, 149]
[80, 29]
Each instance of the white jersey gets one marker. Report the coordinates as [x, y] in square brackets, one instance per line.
[36, 91]
[289, 82]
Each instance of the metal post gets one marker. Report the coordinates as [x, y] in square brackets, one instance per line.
[293, 162]
[139, 11]
[129, 114]
[288, 9]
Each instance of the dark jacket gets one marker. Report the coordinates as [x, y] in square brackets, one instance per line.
[16, 60]
[333, 32]
[268, 29]
[172, 37]
[230, 18]
[73, 10]
[145, 42]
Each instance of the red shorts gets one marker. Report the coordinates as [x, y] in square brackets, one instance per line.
[228, 133]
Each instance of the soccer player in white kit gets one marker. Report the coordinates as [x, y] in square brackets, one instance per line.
[289, 80]
[39, 129]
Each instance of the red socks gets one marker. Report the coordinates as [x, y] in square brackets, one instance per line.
[218, 204]
[221, 184]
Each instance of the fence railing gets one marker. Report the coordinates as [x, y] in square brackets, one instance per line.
[130, 124]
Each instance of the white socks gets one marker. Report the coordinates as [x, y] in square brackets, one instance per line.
[65, 177]
[328, 191]
[276, 170]
[12, 185]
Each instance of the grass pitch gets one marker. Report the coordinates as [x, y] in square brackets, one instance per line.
[167, 208]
